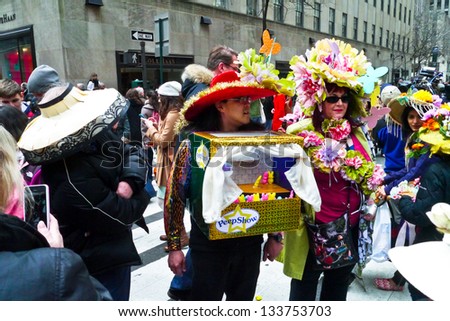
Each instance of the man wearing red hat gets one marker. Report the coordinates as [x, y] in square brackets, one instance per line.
[228, 266]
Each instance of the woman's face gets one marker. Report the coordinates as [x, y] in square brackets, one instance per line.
[336, 104]
[234, 113]
[414, 120]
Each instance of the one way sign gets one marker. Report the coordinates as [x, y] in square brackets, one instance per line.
[141, 35]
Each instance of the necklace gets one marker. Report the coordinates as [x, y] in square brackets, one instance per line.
[333, 152]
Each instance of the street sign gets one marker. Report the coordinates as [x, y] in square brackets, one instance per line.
[141, 35]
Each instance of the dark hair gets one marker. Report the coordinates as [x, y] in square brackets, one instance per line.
[13, 120]
[169, 103]
[220, 54]
[406, 129]
[152, 97]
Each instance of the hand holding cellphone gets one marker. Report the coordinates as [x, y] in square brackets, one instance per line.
[36, 204]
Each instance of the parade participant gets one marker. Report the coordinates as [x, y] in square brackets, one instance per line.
[329, 99]
[229, 266]
[164, 138]
[96, 182]
[407, 111]
[434, 183]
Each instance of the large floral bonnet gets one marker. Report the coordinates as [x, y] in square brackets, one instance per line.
[334, 62]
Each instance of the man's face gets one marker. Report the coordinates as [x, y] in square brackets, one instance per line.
[14, 101]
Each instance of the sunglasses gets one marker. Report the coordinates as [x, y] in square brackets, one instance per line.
[234, 67]
[335, 99]
[242, 100]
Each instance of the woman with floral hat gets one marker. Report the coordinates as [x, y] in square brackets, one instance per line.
[329, 104]
[434, 182]
[226, 266]
[407, 111]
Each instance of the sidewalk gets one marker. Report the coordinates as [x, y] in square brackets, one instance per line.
[151, 282]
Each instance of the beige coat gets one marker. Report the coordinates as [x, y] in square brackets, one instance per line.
[164, 139]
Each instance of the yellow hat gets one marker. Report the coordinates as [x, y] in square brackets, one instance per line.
[435, 129]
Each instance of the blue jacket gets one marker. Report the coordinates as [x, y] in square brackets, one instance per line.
[393, 149]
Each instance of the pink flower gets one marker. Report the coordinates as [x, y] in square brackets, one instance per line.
[355, 162]
[340, 131]
[310, 139]
[377, 177]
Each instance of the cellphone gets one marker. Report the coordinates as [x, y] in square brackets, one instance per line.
[36, 204]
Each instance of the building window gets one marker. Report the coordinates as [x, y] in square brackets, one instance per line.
[252, 7]
[398, 42]
[409, 17]
[393, 41]
[407, 45]
[299, 13]
[332, 21]
[431, 4]
[387, 39]
[373, 34]
[278, 10]
[395, 8]
[365, 31]
[344, 25]
[381, 37]
[375, 3]
[17, 54]
[316, 16]
[382, 5]
[446, 4]
[389, 7]
[400, 13]
[222, 4]
[355, 28]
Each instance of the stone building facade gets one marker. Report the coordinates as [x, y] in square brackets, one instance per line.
[78, 37]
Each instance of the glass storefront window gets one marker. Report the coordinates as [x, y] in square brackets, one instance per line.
[16, 55]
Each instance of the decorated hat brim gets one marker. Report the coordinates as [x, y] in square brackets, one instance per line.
[67, 126]
[432, 257]
[223, 91]
[398, 105]
[437, 142]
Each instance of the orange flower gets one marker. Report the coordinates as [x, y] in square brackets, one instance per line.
[417, 146]
[431, 124]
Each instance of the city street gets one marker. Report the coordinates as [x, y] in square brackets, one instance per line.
[151, 281]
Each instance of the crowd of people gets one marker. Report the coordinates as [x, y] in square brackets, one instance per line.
[95, 149]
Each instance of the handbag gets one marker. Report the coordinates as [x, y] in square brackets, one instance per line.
[331, 243]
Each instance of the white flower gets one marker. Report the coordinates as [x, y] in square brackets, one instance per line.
[440, 216]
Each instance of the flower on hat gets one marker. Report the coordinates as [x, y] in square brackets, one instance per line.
[435, 129]
[330, 61]
[256, 68]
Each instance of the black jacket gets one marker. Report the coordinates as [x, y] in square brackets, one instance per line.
[94, 221]
[434, 188]
[31, 270]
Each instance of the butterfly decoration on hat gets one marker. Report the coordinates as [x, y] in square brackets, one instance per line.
[257, 67]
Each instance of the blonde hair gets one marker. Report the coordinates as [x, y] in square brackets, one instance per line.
[10, 177]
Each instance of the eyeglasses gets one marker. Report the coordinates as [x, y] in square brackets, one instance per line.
[335, 99]
[234, 67]
[242, 100]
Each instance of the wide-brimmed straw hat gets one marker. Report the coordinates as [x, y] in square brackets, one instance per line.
[421, 101]
[69, 119]
[223, 86]
[431, 257]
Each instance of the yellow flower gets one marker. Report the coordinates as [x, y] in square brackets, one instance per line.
[423, 95]
[446, 106]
